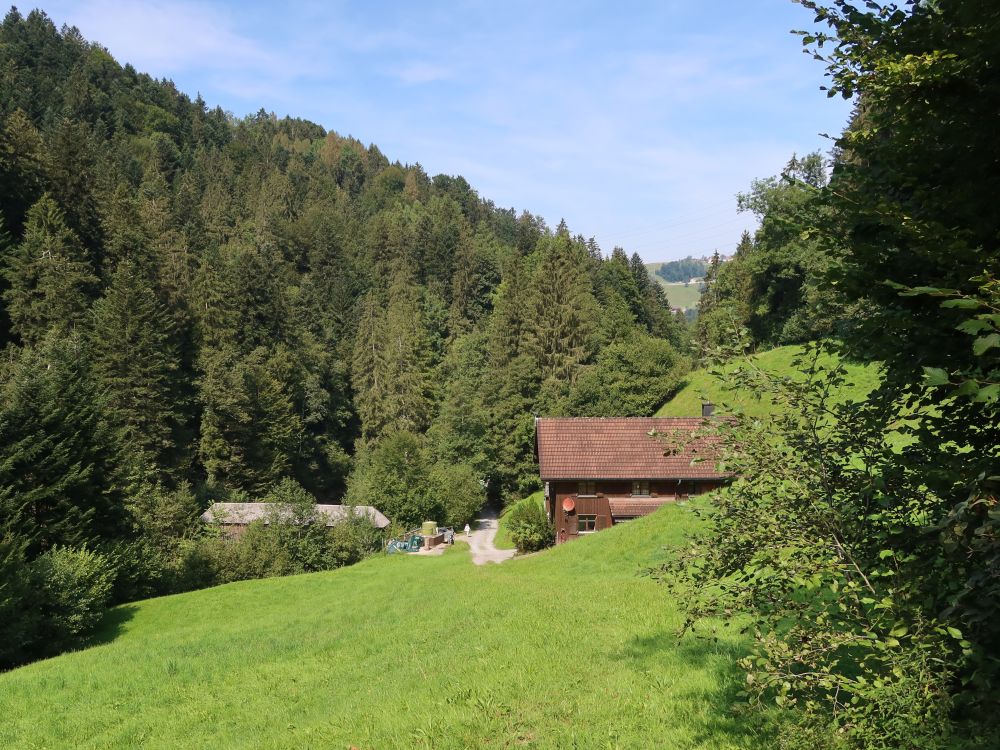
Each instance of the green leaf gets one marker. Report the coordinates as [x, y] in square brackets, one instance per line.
[962, 303]
[968, 388]
[931, 290]
[974, 326]
[988, 394]
[899, 631]
[935, 376]
[955, 633]
[984, 343]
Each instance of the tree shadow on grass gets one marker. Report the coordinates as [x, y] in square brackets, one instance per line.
[722, 719]
[112, 625]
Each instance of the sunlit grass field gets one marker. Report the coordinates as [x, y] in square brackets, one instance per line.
[570, 648]
[678, 293]
[700, 384]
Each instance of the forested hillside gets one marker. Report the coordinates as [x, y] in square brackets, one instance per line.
[681, 270]
[200, 307]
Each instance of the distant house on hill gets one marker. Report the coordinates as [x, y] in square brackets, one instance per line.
[602, 471]
[234, 518]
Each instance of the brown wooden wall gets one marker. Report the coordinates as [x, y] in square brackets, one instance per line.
[567, 523]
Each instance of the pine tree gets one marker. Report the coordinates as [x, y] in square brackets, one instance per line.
[56, 455]
[563, 311]
[408, 356]
[20, 168]
[368, 370]
[251, 432]
[49, 275]
[392, 361]
[136, 363]
[506, 327]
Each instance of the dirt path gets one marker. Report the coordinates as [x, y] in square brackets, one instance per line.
[484, 530]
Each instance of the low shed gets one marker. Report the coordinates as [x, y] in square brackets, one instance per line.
[235, 517]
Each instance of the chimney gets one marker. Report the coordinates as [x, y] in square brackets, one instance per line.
[707, 407]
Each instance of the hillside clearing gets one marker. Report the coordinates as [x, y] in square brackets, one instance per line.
[702, 384]
[569, 648]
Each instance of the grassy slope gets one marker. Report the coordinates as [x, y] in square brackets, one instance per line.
[503, 540]
[679, 295]
[568, 648]
[687, 402]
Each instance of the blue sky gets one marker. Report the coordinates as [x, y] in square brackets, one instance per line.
[637, 122]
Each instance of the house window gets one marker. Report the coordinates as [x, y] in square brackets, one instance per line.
[586, 488]
[586, 524]
[640, 488]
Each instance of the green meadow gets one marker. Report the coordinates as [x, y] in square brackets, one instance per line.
[679, 294]
[702, 384]
[574, 647]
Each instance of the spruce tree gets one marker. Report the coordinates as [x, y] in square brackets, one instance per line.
[251, 432]
[368, 370]
[562, 310]
[56, 455]
[49, 275]
[409, 384]
[136, 365]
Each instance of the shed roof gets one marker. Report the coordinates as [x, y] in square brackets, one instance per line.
[626, 448]
[241, 514]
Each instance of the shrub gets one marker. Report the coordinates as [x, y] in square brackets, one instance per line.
[74, 586]
[353, 539]
[459, 491]
[139, 569]
[530, 529]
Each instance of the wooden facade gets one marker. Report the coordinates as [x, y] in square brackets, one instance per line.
[599, 472]
[573, 510]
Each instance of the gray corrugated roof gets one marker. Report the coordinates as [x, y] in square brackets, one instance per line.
[241, 514]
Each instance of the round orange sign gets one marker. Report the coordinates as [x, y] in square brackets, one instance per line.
[569, 504]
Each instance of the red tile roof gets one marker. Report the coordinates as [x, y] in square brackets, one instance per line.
[624, 448]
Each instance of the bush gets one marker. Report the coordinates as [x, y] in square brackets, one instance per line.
[74, 587]
[139, 570]
[354, 539]
[458, 490]
[530, 529]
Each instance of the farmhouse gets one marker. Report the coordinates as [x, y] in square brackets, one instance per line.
[235, 517]
[602, 471]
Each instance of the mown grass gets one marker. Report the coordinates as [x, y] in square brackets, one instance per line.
[678, 293]
[573, 647]
[503, 540]
[701, 384]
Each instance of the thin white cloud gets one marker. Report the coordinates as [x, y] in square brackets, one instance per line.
[168, 36]
[421, 72]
